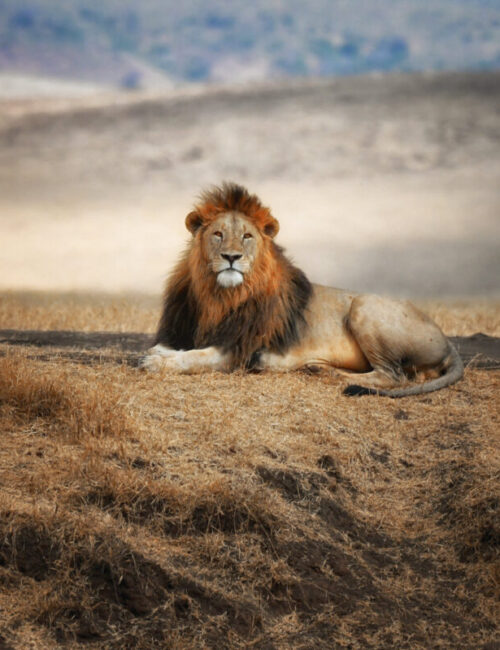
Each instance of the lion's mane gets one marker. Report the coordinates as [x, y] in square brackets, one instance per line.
[267, 311]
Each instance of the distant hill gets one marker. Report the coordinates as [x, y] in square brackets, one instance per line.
[159, 42]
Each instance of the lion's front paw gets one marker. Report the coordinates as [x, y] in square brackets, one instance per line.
[174, 362]
[157, 358]
[151, 362]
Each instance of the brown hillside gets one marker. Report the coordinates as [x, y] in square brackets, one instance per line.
[382, 184]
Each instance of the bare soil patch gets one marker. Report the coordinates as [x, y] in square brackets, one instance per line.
[479, 350]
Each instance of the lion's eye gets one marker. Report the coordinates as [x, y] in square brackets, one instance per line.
[218, 234]
[247, 235]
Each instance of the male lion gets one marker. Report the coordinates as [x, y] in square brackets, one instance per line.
[235, 301]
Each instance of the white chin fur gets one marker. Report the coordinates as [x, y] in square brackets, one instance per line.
[229, 278]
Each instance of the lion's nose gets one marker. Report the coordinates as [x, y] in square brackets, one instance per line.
[230, 258]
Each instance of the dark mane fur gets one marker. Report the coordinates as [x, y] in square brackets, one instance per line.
[245, 331]
[179, 319]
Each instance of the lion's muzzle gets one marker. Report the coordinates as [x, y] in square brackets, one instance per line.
[229, 277]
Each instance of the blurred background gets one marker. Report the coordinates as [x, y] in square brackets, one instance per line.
[372, 130]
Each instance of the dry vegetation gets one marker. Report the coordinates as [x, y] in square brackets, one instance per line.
[88, 312]
[240, 510]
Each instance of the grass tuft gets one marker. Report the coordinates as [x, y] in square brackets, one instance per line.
[57, 401]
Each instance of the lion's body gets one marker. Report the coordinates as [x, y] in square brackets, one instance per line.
[327, 340]
[234, 300]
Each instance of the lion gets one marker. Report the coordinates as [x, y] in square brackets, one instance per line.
[235, 301]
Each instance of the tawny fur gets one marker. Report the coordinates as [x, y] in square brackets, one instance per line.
[270, 317]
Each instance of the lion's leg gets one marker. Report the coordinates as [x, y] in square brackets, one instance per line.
[292, 360]
[397, 339]
[376, 379]
[273, 361]
[314, 357]
[185, 361]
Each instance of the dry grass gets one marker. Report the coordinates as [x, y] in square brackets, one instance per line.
[466, 317]
[78, 311]
[241, 510]
[139, 313]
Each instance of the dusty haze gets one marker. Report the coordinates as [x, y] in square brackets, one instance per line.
[385, 183]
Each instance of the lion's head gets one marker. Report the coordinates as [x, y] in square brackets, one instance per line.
[233, 287]
[231, 231]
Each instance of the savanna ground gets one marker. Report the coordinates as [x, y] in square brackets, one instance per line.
[243, 510]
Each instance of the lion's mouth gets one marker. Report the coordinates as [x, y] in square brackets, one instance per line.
[229, 277]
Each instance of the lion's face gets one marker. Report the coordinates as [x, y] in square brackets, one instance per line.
[231, 244]
[232, 248]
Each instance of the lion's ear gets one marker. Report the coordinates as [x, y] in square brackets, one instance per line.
[193, 222]
[272, 227]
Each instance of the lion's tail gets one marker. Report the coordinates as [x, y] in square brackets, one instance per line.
[454, 371]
